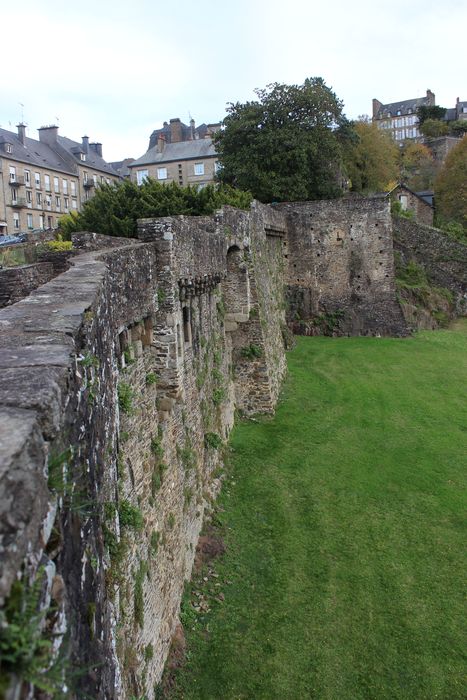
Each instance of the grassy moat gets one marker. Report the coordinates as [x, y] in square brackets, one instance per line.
[343, 520]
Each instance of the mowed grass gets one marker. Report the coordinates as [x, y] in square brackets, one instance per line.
[344, 520]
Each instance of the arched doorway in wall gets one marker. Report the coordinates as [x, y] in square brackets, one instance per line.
[236, 286]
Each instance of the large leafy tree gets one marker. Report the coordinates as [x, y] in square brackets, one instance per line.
[451, 187]
[434, 112]
[284, 145]
[371, 157]
[115, 209]
[418, 167]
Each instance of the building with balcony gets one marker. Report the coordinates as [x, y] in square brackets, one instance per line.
[179, 153]
[40, 180]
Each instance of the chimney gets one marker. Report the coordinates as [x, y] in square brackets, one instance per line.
[48, 134]
[97, 148]
[85, 143]
[430, 97]
[192, 129]
[22, 133]
[176, 134]
[160, 143]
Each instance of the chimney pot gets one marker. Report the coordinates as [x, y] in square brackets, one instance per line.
[176, 134]
[22, 133]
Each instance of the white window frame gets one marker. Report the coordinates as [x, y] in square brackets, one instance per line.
[199, 168]
[30, 221]
[73, 187]
[39, 199]
[56, 185]
[47, 183]
[16, 220]
[37, 180]
[12, 173]
[141, 176]
[27, 177]
[162, 173]
[8, 147]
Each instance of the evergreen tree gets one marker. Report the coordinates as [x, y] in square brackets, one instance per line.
[284, 145]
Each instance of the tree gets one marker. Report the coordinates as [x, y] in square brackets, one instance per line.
[459, 127]
[430, 112]
[418, 168]
[433, 128]
[283, 146]
[370, 157]
[451, 186]
[115, 209]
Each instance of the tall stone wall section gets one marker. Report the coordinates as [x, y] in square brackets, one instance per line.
[120, 381]
[444, 259]
[340, 268]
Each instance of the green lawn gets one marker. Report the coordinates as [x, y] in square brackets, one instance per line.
[344, 520]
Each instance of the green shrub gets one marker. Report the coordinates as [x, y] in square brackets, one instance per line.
[130, 516]
[251, 352]
[212, 440]
[125, 398]
[151, 378]
[57, 246]
[154, 542]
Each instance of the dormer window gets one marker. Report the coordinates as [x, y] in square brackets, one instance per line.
[82, 156]
[410, 111]
[398, 113]
[8, 147]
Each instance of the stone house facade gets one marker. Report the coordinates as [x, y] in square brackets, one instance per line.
[42, 180]
[180, 154]
[413, 201]
[400, 118]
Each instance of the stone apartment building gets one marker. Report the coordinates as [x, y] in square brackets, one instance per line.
[40, 180]
[179, 153]
[400, 118]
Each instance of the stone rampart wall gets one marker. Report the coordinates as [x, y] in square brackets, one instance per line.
[119, 384]
[340, 267]
[444, 259]
[17, 282]
[121, 379]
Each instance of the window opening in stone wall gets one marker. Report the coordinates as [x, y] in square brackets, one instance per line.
[186, 325]
[179, 341]
[236, 287]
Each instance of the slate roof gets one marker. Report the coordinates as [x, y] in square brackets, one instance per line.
[122, 166]
[403, 107]
[182, 150]
[93, 159]
[34, 153]
[62, 156]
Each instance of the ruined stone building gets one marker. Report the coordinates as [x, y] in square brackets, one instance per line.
[120, 379]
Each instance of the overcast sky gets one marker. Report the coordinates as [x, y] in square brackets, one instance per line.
[116, 70]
